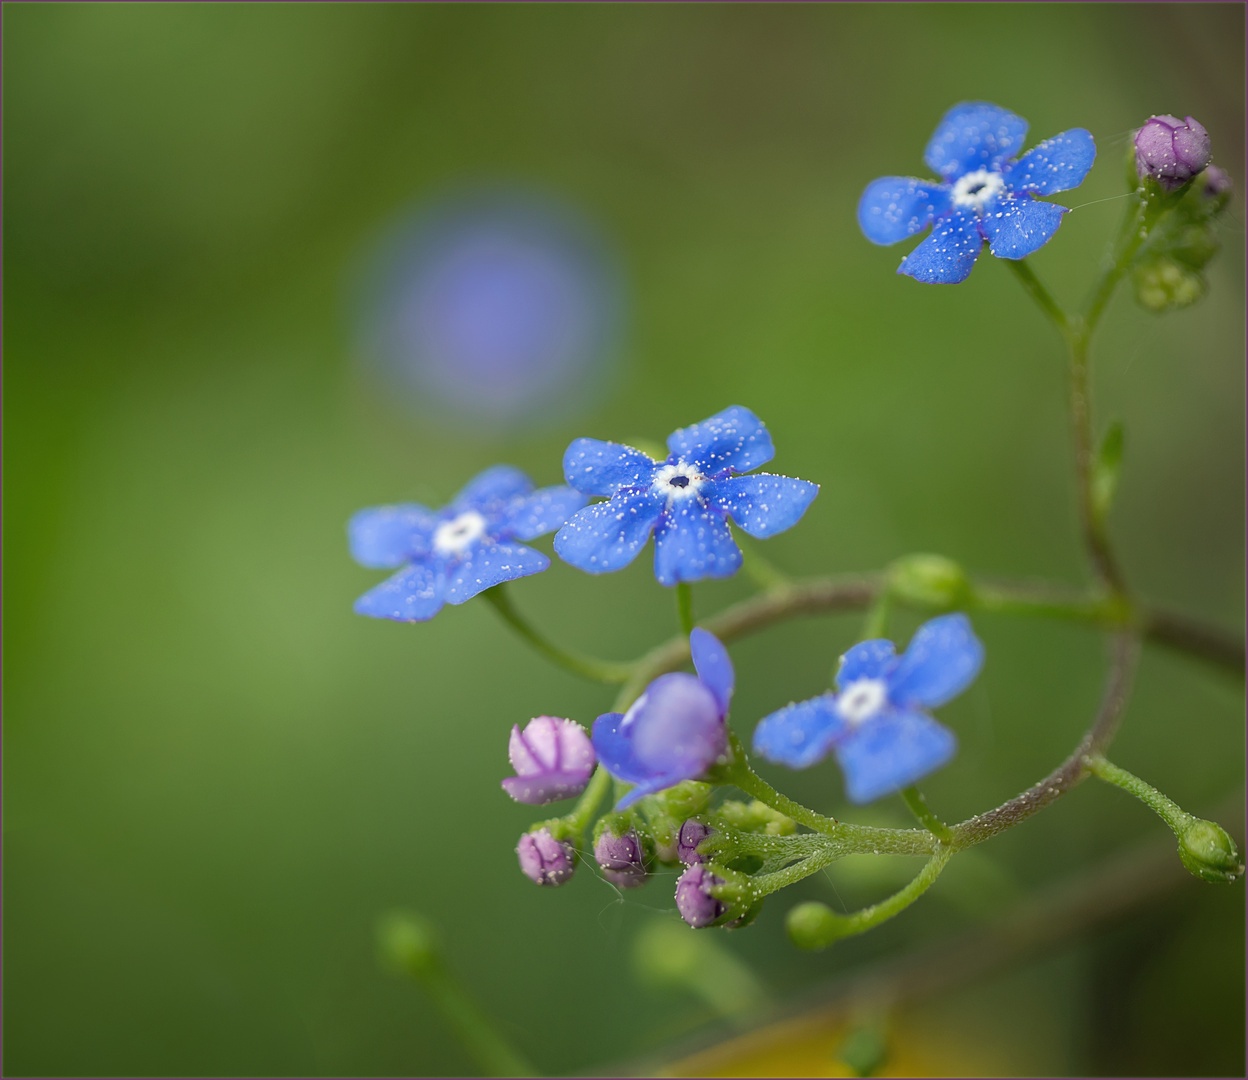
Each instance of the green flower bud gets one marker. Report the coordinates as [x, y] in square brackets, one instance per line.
[407, 942]
[813, 925]
[1162, 284]
[755, 816]
[1209, 853]
[929, 581]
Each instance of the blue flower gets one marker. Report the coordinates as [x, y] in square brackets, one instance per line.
[675, 731]
[450, 555]
[985, 195]
[875, 724]
[686, 500]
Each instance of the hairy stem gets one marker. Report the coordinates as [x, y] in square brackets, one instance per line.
[604, 671]
[929, 821]
[684, 606]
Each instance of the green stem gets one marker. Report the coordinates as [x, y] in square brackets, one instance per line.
[604, 671]
[684, 606]
[877, 616]
[574, 824]
[1167, 809]
[410, 943]
[815, 926]
[919, 808]
[1044, 301]
[740, 774]
[1095, 535]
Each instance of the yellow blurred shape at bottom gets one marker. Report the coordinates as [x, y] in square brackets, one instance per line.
[810, 1045]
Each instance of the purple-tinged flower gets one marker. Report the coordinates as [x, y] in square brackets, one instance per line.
[675, 731]
[450, 555]
[983, 195]
[692, 833]
[685, 500]
[622, 859]
[1217, 183]
[875, 725]
[693, 897]
[545, 860]
[1171, 151]
[553, 759]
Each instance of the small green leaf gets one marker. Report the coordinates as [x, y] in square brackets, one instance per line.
[1105, 470]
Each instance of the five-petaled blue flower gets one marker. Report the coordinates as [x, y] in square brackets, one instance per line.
[875, 724]
[675, 731]
[686, 500]
[450, 555]
[985, 195]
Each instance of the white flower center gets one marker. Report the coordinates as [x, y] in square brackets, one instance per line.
[678, 481]
[454, 536]
[976, 188]
[861, 700]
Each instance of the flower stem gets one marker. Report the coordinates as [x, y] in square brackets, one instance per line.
[920, 809]
[877, 615]
[604, 671]
[1044, 301]
[684, 606]
[1167, 809]
[815, 926]
[586, 806]
[740, 774]
[410, 945]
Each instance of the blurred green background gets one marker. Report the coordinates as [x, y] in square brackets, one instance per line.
[216, 777]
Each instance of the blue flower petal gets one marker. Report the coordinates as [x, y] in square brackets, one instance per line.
[941, 661]
[763, 504]
[713, 665]
[947, 256]
[1057, 164]
[490, 565]
[693, 542]
[414, 594]
[602, 468]
[974, 135]
[384, 537]
[801, 734]
[891, 751]
[733, 439]
[673, 732]
[867, 660]
[1017, 227]
[894, 207]
[607, 536]
[614, 751]
[496, 484]
[544, 511]
[676, 727]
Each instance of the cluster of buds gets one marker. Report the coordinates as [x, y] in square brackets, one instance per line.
[1171, 158]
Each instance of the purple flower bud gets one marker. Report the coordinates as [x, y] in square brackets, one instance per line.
[622, 860]
[545, 860]
[553, 759]
[693, 897]
[1171, 151]
[692, 833]
[1217, 183]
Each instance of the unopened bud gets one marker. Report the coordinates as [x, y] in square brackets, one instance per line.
[545, 860]
[553, 759]
[693, 897]
[1171, 151]
[692, 833]
[1209, 853]
[407, 942]
[622, 858]
[929, 581]
[813, 925]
